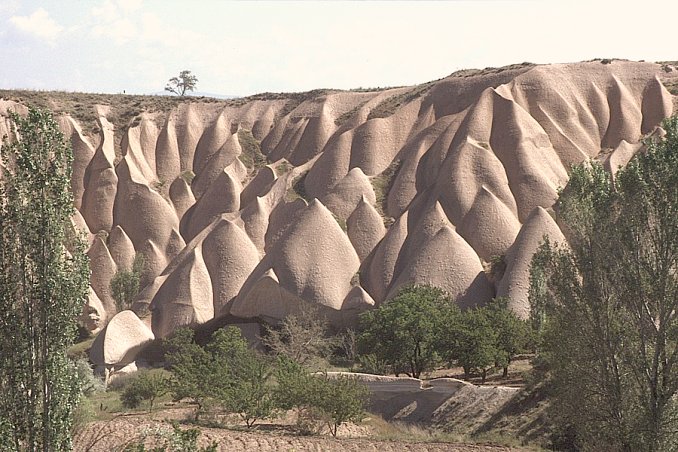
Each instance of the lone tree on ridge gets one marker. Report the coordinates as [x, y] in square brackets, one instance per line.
[179, 85]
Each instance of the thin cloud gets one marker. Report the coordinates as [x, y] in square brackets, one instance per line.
[129, 6]
[113, 20]
[9, 6]
[120, 30]
[38, 24]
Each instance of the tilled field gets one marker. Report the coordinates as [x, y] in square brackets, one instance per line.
[115, 434]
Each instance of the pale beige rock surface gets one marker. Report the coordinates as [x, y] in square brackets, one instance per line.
[185, 297]
[467, 165]
[120, 341]
[103, 269]
[365, 228]
[516, 281]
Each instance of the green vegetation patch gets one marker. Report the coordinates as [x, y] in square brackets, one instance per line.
[188, 176]
[251, 155]
[389, 105]
[383, 183]
[341, 119]
[283, 167]
[81, 106]
[465, 73]
[293, 99]
[298, 189]
[672, 86]
[80, 349]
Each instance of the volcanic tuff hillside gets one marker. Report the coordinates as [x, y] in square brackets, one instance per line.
[251, 207]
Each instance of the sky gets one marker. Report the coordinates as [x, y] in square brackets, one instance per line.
[243, 48]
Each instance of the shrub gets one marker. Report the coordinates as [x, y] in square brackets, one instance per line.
[125, 284]
[318, 399]
[145, 386]
[89, 383]
[191, 365]
[370, 363]
[340, 400]
[302, 337]
[295, 390]
[226, 372]
[244, 375]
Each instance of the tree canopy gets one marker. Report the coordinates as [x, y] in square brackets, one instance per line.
[181, 84]
[403, 331]
[607, 304]
[125, 284]
[44, 279]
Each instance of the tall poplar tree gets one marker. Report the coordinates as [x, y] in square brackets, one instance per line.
[42, 287]
[607, 304]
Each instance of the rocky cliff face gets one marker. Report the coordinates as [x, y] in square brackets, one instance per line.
[254, 207]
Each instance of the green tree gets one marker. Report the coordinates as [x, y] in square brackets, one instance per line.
[144, 386]
[125, 284]
[244, 375]
[341, 400]
[184, 82]
[512, 335]
[296, 389]
[316, 398]
[43, 285]
[191, 365]
[226, 373]
[251, 395]
[607, 304]
[404, 331]
[470, 339]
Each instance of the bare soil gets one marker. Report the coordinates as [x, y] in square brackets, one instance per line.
[115, 434]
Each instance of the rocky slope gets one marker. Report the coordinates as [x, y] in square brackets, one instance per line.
[251, 207]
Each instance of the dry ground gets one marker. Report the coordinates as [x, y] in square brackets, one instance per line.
[113, 435]
[498, 421]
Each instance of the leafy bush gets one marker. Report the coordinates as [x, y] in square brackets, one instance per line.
[89, 383]
[245, 374]
[145, 386]
[318, 399]
[340, 400]
[125, 284]
[369, 363]
[226, 372]
[190, 365]
[295, 390]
